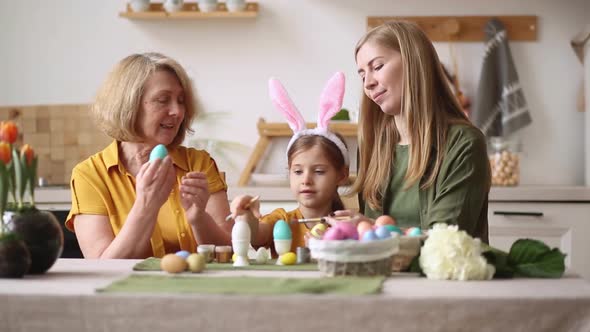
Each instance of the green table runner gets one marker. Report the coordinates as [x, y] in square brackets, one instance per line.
[153, 264]
[244, 285]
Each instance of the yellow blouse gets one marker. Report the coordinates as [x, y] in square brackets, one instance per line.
[101, 185]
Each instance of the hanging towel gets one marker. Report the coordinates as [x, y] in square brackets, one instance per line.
[500, 107]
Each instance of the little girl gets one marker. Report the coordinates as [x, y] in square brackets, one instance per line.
[318, 163]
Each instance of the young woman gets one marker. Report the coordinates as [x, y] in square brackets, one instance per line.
[420, 159]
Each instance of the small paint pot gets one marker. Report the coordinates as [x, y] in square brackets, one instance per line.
[303, 255]
[223, 254]
[208, 251]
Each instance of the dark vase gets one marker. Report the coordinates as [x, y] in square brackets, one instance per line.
[15, 260]
[43, 236]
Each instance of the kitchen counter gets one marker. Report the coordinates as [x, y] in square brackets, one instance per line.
[59, 197]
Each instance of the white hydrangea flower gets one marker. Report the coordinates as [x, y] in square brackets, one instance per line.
[451, 254]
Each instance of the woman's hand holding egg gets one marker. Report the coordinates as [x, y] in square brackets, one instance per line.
[154, 182]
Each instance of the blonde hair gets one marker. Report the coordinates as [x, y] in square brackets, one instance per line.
[427, 104]
[331, 151]
[117, 103]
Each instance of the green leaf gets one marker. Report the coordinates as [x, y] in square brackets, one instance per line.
[534, 259]
[499, 260]
[341, 115]
[549, 265]
[33, 179]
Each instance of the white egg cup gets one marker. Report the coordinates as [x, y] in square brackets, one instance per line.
[282, 247]
[240, 241]
[235, 5]
[139, 5]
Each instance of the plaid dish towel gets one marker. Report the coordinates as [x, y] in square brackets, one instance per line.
[500, 106]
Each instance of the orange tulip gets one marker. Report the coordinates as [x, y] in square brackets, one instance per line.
[29, 154]
[5, 153]
[8, 132]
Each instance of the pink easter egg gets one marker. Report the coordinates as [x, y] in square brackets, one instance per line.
[348, 229]
[333, 233]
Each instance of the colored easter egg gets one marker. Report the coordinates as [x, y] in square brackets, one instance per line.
[282, 231]
[334, 233]
[384, 220]
[288, 259]
[394, 228]
[196, 263]
[362, 227]
[413, 231]
[370, 236]
[158, 152]
[348, 229]
[172, 263]
[183, 253]
[318, 230]
[383, 232]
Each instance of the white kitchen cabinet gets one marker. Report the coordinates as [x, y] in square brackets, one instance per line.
[562, 225]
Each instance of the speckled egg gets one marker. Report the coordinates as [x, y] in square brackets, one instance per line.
[262, 255]
[282, 231]
[158, 152]
[288, 259]
[196, 263]
[172, 263]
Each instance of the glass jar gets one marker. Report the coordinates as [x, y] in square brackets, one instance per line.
[504, 156]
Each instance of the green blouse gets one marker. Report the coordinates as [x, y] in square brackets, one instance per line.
[459, 195]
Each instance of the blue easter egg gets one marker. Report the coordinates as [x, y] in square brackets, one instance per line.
[394, 228]
[414, 231]
[383, 232]
[282, 231]
[370, 236]
[183, 253]
[158, 152]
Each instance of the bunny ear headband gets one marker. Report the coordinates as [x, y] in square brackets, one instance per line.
[330, 104]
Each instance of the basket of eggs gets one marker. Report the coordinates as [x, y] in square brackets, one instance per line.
[340, 251]
[366, 249]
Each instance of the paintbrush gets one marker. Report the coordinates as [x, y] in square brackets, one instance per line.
[247, 206]
[320, 219]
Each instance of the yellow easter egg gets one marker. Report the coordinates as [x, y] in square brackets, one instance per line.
[318, 230]
[234, 257]
[289, 258]
[196, 262]
[172, 263]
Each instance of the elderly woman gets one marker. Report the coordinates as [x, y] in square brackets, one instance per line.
[124, 206]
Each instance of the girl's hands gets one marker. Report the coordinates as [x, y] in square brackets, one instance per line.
[355, 217]
[154, 182]
[245, 205]
[194, 194]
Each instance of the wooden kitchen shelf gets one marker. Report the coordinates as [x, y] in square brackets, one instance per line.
[465, 28]
[189, 11]
[268, 130]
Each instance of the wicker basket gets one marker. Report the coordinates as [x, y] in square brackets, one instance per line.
[409, 248]
[354, 258]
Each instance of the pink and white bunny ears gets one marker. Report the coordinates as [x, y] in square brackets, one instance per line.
[330, 104]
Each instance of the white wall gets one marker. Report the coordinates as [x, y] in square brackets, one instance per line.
[59, 51]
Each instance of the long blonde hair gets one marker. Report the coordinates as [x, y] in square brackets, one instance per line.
[117, 103]
[428, 105]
